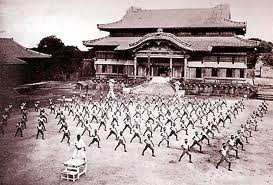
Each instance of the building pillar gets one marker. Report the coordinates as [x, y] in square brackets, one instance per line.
[185, 68]
[181, 69]
[149, 67]
[135, 67]
[171, 68]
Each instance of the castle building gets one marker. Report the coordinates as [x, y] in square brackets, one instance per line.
[188, 44]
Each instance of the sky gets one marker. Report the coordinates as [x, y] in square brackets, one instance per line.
[28, 21]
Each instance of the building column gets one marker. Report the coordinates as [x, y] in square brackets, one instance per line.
[181, 69]
[185, 68]
[135, 67]
[149, 66]
[171, 68]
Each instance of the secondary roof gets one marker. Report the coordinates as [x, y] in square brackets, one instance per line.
[13, 53]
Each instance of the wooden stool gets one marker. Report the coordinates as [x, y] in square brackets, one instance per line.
[74, 168]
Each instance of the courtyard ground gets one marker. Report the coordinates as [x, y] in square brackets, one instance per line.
[29, 161]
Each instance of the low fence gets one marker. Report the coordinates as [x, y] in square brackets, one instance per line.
[219, 89]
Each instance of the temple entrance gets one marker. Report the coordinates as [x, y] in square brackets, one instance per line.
[160, 67]
[163, 71]
[163, 65]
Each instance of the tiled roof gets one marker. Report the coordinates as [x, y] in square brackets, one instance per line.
[218, 16]
[13, 53]
[195, 43]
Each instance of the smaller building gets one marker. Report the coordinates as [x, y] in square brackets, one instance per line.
[19, 65]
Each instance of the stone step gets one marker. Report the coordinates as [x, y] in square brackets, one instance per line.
[265, 96]
[160, 79]
[155, 88]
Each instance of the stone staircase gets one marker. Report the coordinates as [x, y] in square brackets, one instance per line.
[156, 85]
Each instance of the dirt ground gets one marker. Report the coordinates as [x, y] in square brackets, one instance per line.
[28, 160]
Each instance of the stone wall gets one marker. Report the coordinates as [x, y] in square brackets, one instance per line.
[266, 72]
[217, 89]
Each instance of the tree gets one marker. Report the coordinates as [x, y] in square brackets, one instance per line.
[252, 59]
[71, 58]
[50, 45]
[264, 50]
[267, 59]
[65, 59]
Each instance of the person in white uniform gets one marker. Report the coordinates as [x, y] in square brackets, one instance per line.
[79, 148]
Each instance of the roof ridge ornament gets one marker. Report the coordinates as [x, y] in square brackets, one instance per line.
[159, 30]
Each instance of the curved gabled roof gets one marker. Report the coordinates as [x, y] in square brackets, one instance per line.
[161, 36]
[193, 43]
[136, 18]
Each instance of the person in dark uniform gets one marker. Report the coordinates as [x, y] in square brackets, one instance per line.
[186, 149]
[36, 106]
[224, 152]
[40, 130]
[66, 134]
[96, 138]
[149, 144]
[19, 129]
[2, 127]
[113, 130]
[127, 124]
[165, 137]
[5, 119]
[121, 141]
[196, 140]
[137, 133]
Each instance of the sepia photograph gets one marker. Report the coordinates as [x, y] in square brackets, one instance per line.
[136, 92]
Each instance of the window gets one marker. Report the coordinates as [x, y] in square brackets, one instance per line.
[214, 72]
[120, 69]
[229, 72]
[242, 73]
[99, 55]
[114, 69]
[103, 69]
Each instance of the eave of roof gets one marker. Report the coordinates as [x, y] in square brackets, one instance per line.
[14, 53]
[196, 43]
[11, 60]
